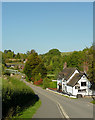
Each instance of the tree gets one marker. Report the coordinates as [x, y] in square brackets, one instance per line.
[54, 52]
[34, 66]
[9, 53]
[18, 56]
[91, 71]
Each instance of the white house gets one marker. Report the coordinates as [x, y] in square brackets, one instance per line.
[74, 82]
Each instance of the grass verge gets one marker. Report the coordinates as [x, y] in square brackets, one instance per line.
[93, 101]
[29, 112]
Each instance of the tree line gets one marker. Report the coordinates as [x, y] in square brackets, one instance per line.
[51, 63]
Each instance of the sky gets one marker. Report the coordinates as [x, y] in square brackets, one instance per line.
[67, 26]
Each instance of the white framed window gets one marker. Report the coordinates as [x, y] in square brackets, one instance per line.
[83, 83]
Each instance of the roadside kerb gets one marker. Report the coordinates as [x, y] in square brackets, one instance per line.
[60, 93]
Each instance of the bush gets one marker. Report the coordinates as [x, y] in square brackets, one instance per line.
[15, 96]
[53, 85]
[7, 73]
[39, 82]
[46, 83]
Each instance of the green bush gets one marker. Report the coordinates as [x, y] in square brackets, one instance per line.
[7, 73]
[46, 83]
[53, 85]
[16, 96]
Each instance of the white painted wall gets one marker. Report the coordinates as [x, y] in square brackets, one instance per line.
[64, 85]
[84, 79]
[75, 91]
[88, 84]
[70, 89]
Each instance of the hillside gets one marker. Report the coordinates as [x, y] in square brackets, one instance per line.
[66, 53]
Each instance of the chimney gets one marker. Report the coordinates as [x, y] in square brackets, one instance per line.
[85, 67]
[65, 65]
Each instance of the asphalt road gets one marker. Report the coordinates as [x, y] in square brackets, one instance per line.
[57, 106]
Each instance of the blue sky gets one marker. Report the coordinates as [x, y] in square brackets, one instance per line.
[44, 26]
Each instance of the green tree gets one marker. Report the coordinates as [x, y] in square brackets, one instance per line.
[18, 56]
[91, 71]
[34, 66]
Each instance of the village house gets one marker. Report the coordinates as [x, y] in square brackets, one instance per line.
[73, 82]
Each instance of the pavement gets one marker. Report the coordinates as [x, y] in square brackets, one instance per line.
[57, 106]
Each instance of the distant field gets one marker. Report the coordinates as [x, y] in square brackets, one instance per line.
[66, 53]
[15, 63]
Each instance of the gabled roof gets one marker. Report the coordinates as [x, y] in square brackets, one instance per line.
[67, 73]
[75, 79]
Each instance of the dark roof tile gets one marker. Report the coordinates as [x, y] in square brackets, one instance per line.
[75, 79]
[67, 73]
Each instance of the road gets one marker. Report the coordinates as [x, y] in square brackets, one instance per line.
[57, 106]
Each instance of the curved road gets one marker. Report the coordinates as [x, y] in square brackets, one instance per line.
[57, 106]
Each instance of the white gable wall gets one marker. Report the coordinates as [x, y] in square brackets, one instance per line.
[64, 84]
[74, 91]
[88, 91]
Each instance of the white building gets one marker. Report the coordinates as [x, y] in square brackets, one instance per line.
[74, 82]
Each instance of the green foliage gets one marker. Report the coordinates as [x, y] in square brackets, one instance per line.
[93, 101]
[46, 82]
[7, 73]
[53, 85]
[53, 52]
[76, 59]
[34, 67]
[91, 71]
[8, 54]
[18, 56]
[53, 61]
[16, 96]
[29, 112]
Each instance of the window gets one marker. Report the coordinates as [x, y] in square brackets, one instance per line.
[83, 83]
[77, 87]
[83, 76]
[83, 90]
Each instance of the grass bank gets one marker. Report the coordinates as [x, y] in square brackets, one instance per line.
[93, 101]
[16, 96]
[30, 111]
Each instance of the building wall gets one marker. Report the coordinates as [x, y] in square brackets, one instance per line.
[87, 92]
[69, 89]
[84, 79]
[75, 91]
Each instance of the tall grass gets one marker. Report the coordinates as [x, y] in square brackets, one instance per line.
[16, 96]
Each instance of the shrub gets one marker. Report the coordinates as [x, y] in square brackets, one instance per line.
[7, 73]
[39, 82]
[53, 85]
[46, 83]
[15, 96]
